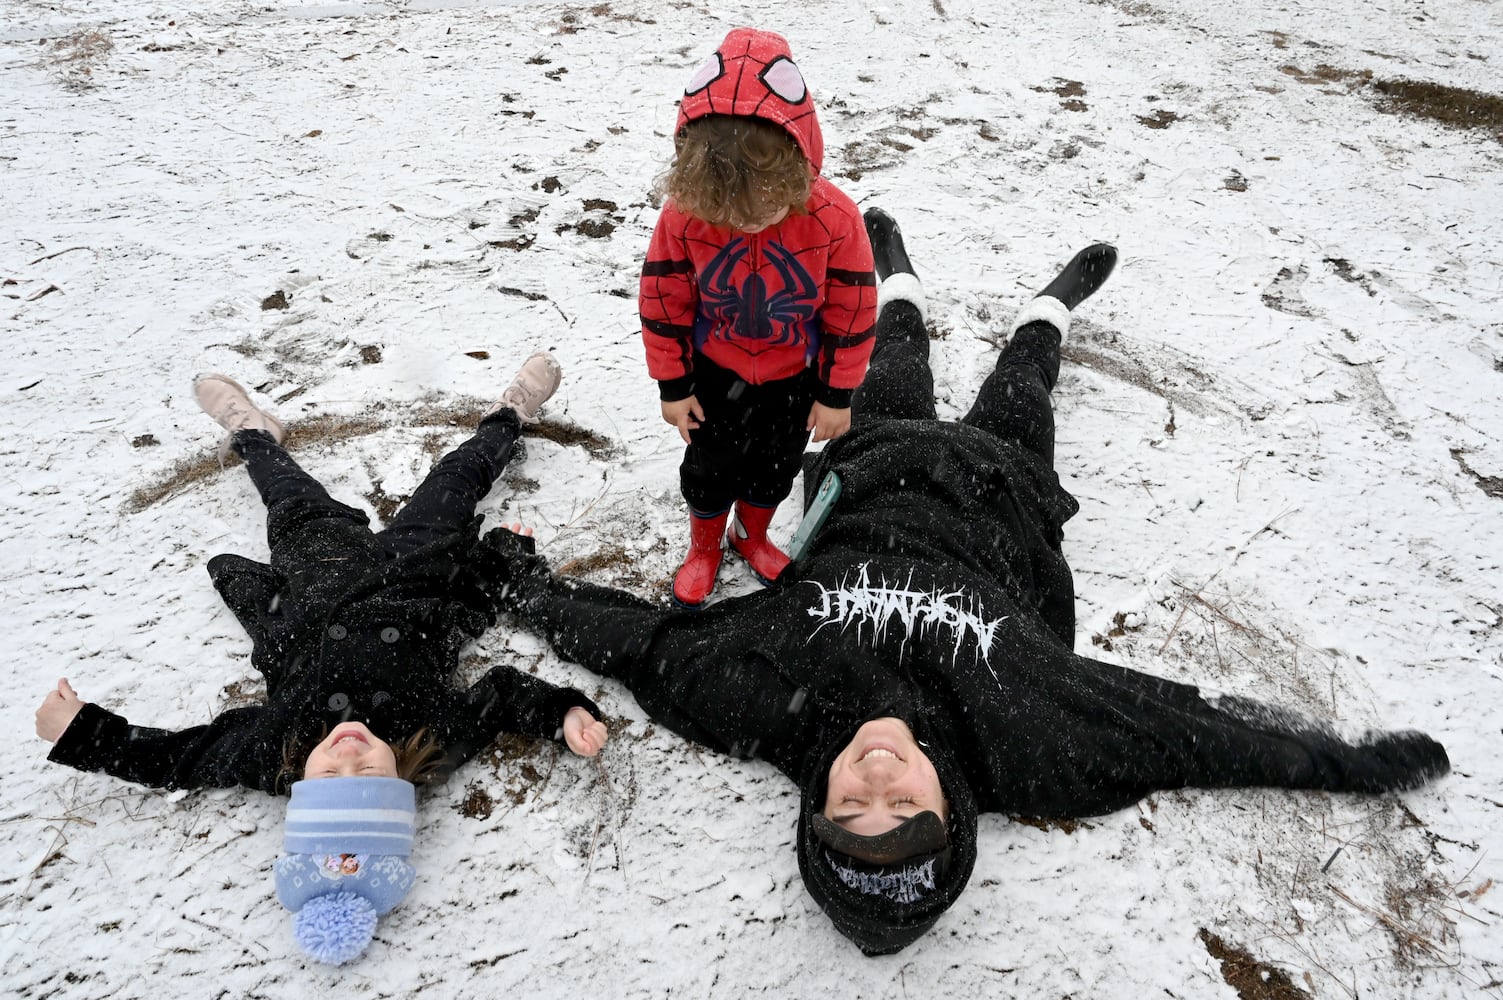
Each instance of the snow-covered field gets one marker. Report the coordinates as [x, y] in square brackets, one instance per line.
[1282, 418]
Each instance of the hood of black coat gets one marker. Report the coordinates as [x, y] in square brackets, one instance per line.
[875, 924]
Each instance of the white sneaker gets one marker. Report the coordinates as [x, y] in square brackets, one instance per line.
[226, 400]
[536, 382]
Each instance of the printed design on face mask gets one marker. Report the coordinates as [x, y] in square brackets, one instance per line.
[906, 885]
[339, 865]
[884, 606]
[766, 313]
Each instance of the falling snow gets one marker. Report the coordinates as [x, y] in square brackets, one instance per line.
[1281, 418]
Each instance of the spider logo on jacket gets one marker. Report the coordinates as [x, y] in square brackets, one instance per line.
[753, 311]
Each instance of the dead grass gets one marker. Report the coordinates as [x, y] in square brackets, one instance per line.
[333, 429]
[1063, 825]
[599, 446]
[612, 557]
[75, 57]
[1490, 485]
[1251, 978]
[1453, 107]
[477, 802]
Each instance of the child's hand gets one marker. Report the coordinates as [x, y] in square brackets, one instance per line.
[685, 414]
[59, 709]
[828, 423]
[583, 733]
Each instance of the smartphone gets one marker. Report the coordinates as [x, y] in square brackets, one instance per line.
[816, 515]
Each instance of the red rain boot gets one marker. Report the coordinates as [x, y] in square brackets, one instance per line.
[695, 579]
[749, 538]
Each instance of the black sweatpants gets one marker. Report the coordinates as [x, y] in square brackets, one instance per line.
[307, 529]
[1013, 403]
[751, 441]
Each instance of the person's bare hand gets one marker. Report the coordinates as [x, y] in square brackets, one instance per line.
[584, 734]
[828, 423]
[58, 710]
[685, 414]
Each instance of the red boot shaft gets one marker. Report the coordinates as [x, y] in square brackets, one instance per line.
[695, 579]
[748, 537]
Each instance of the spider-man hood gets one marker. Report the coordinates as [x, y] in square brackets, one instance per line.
[753, 74]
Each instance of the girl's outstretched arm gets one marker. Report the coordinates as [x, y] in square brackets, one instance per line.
[237, 748]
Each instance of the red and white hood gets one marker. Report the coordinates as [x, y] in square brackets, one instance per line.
[752, 73]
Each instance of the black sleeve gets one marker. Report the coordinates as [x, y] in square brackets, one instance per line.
[506, 700]
[682, 669]
[1090, 738]
[237, 748]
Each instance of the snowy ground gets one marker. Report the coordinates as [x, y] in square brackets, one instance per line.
[1282, 418]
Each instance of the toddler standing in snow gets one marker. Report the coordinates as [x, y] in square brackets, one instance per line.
[757, 300]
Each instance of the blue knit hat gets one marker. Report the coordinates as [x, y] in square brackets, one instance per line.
[346, 841]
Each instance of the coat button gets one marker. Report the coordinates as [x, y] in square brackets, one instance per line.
[390, 634]
[380, 698]
[337, 632]
[339, 701]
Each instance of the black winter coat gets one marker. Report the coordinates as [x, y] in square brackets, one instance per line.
[937, 593]
[374, 641]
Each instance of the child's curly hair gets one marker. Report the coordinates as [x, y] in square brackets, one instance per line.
[419, 756]
[736, 171]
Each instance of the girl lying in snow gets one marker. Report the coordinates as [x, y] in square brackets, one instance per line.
[357, 634]
[914, 666]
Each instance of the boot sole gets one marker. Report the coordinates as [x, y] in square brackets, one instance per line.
[731, 546]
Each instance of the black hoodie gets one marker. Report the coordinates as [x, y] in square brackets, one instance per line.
[937, 591]
[370, 640]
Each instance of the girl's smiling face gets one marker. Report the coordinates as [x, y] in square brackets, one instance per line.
[351, 751]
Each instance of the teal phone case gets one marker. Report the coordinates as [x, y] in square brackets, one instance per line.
[816, 515]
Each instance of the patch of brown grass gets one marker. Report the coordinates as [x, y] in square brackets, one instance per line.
[334, 428]
[1043, 823]
[572, 435]
[1160, 119]
[477, 802]
[1453, 106]
[75, 57]
[1252, 979]
[612, 557]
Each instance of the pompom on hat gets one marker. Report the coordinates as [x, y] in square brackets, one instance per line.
[346, 843]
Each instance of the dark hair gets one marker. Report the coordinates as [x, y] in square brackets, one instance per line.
[418, 757]
[735, 171]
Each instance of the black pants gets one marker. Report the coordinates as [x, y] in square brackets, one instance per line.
[1013, 402]
[307, 529]
[751, 441]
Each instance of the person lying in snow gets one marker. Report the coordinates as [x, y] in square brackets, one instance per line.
[913, 666]
[357, 634]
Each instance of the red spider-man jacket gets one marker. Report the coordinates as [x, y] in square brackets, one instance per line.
[765, 305]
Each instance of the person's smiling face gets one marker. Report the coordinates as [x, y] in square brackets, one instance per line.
[882, 778]
[351, 751]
